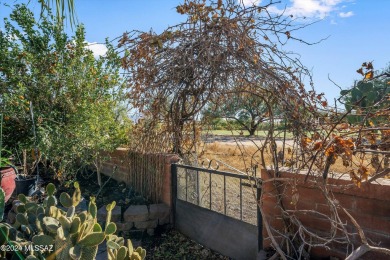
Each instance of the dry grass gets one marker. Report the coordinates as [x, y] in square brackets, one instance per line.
[207, 193]
[238, 156]
[244, 156]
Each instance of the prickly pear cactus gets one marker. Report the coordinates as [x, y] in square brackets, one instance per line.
[116, 250]
[74, 236]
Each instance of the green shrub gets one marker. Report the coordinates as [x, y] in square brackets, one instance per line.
[75, 98]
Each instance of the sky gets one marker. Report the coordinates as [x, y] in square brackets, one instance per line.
[357, 31]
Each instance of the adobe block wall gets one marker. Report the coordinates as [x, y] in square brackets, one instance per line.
[369, 205]
[148, 174]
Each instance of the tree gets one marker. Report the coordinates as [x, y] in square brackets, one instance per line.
[246, 109]
[64, 8]
[72, 95]
[224, 48]
[220, 47]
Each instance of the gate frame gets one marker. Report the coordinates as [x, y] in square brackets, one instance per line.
[174, 167]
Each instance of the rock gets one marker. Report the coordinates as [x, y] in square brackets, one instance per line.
[136, 214]
[158, 211]
[146, 224]
[126, 226]
[116, 214]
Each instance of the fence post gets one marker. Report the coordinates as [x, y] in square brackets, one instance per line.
[174, 191]
[259, 217]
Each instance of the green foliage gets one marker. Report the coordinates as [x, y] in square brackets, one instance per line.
[367, 96]
[43, 240]
[69, 235]
[117, 250]
[75, 97]
[60, 10]
[65, 200]
[110, 229]
[92, 239]
[92, 209]
[3, 153]
[238, 111]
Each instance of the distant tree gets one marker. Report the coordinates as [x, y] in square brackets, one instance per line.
[246, 109]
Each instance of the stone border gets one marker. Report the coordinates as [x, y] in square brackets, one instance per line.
[138, 217]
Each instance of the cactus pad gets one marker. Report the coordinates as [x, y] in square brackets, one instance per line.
[121, 253]
[76, 198]
[92, 239]
[51, 224]
[141, 252]
[112, 245]
[50, 189]
[4, 234]
[43, 240]
[65, 200]
[21, 208]
[97, 228]
[22, 198]
[51, 201]
[31, 207]
[111, 206]
[22, 219]
[75, 225]
[110, 228]
[70, 212]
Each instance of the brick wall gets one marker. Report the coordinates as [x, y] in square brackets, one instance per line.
[369, 205]
[148, 174]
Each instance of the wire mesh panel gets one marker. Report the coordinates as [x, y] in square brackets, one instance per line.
[249, 205]
[217, 193]
[230, 194]
[232, 197]
[181, 184]
[204, 187]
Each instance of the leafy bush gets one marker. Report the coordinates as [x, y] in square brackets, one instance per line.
[74, 97]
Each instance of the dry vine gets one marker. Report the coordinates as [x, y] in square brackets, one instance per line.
[224, 48]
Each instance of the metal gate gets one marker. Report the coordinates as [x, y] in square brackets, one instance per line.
[218, 209]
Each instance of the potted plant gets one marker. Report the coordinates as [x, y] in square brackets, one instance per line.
[7, 172]
[26, 181]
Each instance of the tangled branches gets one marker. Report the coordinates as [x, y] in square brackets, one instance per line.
[221, 48]
[225, 49]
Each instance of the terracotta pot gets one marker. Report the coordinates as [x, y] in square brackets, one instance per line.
[8, 176]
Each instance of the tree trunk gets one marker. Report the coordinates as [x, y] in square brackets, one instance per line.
[252, 131]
